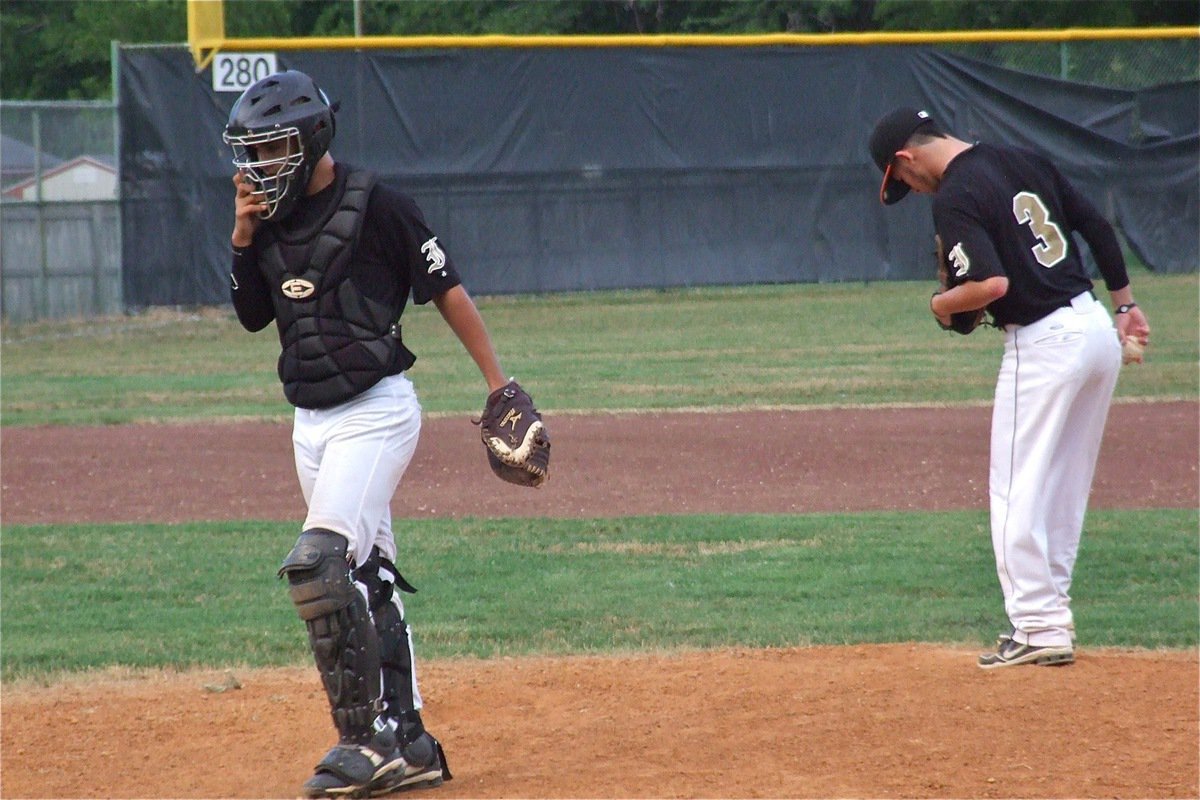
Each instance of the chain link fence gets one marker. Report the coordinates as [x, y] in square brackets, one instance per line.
[60, 255]
[59, 187]
[1110, 63]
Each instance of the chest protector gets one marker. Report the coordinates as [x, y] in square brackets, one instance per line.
[336, 342]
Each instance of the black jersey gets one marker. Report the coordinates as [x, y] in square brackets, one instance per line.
[1008, 212]
[396, 254]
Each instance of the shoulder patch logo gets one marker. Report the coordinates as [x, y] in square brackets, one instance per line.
[297, 288]
[958, 257]
[434, 255]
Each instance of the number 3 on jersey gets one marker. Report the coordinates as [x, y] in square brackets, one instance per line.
[1029, 210]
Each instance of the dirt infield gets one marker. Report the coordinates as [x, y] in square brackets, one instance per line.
[687, 463]
[879, 721]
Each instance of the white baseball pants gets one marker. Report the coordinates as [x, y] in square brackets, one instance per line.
[350, 458]
[1052, 396]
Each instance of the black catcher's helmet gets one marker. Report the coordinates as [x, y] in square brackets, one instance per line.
[287, 105]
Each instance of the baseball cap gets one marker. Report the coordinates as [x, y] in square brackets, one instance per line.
[890, 134]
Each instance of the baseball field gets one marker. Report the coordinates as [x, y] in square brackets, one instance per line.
[760, 568]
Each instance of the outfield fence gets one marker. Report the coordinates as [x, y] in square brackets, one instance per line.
[78, 240]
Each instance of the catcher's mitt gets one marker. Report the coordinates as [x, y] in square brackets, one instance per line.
[963, 322]
[517, 442]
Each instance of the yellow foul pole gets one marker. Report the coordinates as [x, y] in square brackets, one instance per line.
[206, 29]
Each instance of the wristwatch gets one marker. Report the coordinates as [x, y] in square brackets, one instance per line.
[1124, 307]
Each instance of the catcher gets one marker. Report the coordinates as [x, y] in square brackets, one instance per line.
[331, 256]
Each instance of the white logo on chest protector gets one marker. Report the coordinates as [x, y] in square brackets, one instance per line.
[958, 257]
[434, 255]
[297, 288]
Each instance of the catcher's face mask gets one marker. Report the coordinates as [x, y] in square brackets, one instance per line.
[274, 176]
[279, 129]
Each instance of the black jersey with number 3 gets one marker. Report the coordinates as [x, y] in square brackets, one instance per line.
[1007, 212]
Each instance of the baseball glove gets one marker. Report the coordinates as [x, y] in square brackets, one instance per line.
[963, 322]
[516, 439]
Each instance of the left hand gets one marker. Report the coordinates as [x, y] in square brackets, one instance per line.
[943, 319]
[516, 439]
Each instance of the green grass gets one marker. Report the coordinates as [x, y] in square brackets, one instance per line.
[205, 594]
[825, 344]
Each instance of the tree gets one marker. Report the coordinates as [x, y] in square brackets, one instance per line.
[60, 49]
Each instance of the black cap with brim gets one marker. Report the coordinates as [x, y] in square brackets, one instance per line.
[890, 135]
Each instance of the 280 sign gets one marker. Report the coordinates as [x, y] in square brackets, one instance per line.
[236, 72]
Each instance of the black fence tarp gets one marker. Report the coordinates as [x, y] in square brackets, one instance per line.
[548, 169]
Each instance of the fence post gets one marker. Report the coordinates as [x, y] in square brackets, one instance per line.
[97, 260]
[43, 266]
[115, 60]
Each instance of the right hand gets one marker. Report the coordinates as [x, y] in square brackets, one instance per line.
[248, 204]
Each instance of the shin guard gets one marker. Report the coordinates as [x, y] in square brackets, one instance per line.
[400, 695]
[344, 642]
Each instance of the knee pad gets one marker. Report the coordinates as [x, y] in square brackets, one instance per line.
[381, 579]
[318, 574]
